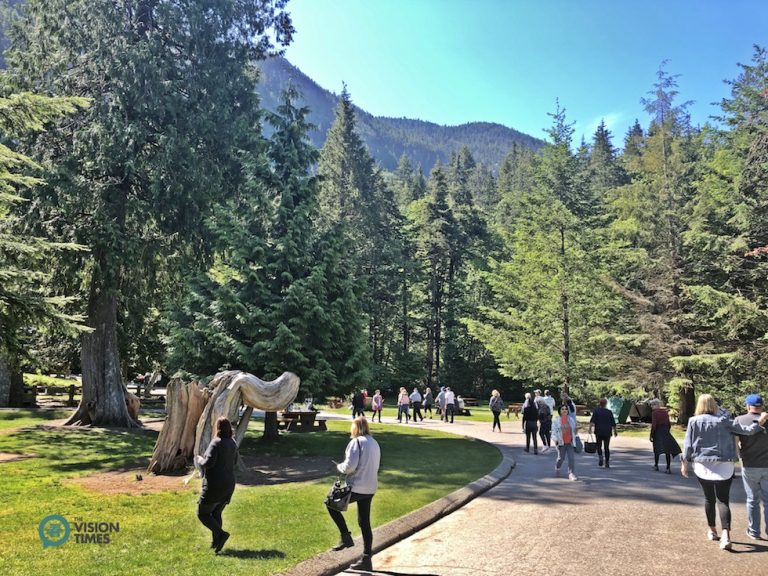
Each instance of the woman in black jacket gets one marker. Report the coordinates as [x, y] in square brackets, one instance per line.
[530, 423]
[218, 466]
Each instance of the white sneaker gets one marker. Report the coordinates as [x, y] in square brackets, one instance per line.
[725, 542]
[712, 535]
[572, 476]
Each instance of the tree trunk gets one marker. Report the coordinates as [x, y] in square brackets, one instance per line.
[271, 432]
[5, 381]
[686, 405]
[104, 393]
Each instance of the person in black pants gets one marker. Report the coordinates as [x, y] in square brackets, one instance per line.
[361, 465]
[603, 422]
[530, 423]
[218, 469]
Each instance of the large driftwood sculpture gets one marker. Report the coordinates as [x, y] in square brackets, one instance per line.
[190, 407]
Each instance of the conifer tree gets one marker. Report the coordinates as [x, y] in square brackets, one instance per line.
[137, 172]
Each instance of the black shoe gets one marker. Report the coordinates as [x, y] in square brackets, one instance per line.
[656, 468]
[607, 465]
[363, 564]
[345, 542]
[223, 537]
[600, 462]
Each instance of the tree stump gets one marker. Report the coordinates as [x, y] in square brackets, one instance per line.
[185, 402]
[226, 394]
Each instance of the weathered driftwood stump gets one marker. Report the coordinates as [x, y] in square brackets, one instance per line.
[225, 395]
[184, 402]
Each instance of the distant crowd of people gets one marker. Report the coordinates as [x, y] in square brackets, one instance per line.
[415, 405]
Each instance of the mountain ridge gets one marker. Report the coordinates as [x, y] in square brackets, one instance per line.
[388, 138]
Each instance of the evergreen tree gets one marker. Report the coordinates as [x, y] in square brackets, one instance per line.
[27, 300]
[172, 99]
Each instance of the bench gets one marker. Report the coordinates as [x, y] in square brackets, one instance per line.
[470, 401]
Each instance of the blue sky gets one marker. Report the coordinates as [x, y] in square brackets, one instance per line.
[507, 61]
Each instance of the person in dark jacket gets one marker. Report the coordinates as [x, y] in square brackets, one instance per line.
[754, 467]
[358, 404]
[661, 436]
[530, 423]
[604, 423]
[218, 468]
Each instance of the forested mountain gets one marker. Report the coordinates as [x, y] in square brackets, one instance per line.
[388, 139]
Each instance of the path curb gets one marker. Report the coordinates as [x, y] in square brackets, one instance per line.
[330, 562]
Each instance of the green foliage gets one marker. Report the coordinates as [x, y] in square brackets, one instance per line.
[27, 300]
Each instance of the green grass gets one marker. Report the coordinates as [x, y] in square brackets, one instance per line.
[42, 380]
[18, 417]
[273, 527]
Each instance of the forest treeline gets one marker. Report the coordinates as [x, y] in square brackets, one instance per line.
[149, 220]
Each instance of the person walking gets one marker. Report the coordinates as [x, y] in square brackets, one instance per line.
[530, 423]
[496, 406]
[563, 434]
[603, 422]
[709, 444]
[545, 421]
[217, 466]
[450, 404]
[415, 398]
[403, 405]
[661, 436]
[377, 404]
[754, 467]
[441, 403]
[428, 401]
[549, 401]
[361, 466]
[358, 404]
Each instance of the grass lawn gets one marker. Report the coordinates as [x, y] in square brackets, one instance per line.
[273, 527]
[18, 417]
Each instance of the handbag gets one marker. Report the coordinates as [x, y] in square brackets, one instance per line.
[339, 495]
[578, 445]
[590, 446]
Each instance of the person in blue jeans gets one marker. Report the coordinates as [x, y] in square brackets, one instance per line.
[604, 423]
[754, 467]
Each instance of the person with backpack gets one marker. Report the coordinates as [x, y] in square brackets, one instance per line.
[545, 422]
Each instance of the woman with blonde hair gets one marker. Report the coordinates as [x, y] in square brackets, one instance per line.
[710, 445]
[496, 405]
[361, 466]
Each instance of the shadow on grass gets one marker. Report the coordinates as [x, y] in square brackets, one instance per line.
[245, 554]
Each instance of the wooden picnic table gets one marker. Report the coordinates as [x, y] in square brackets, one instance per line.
[302, 421]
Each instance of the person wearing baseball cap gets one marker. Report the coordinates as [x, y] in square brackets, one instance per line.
[754, 467]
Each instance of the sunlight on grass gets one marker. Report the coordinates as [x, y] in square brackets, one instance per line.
[273, 527]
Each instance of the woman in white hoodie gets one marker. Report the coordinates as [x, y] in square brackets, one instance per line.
[361, 466]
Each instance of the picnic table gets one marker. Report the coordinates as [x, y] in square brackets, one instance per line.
[301, 421]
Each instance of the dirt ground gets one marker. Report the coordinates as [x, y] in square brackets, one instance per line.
[10, 457]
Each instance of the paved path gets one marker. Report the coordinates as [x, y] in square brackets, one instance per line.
[628, 519]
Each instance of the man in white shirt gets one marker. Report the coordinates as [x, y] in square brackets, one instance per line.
[450, 404]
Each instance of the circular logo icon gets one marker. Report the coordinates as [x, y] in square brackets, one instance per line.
[54, 530]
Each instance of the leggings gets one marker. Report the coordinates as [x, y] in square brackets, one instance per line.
[417, 411]
[496, 421]
[656, 459]
[545, 432]
[363, 519]
[209, 513]
[531, 429]
[717, 491]
[603, 441]
[428, 408]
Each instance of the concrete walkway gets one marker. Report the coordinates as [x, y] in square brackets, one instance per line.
[627, 519]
